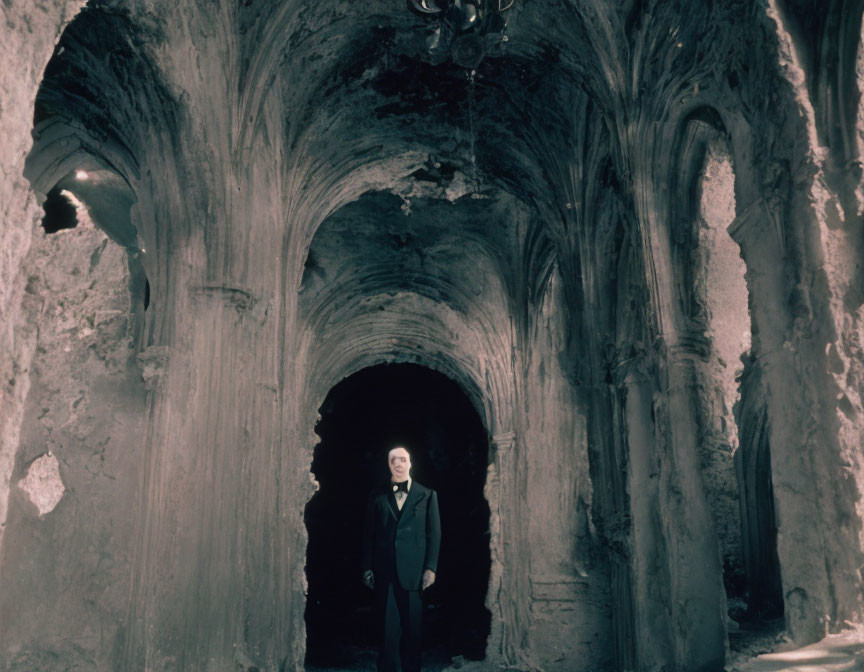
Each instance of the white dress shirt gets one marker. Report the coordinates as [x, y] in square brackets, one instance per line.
[401, 496]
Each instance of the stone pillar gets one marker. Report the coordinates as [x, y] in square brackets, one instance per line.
[815, 493]
[650, 582]
[677, 548]
[502, 447]
[679, 603]
[507, 597]
[608, 434]
[697, 598]
[213, 574]
[218, 578]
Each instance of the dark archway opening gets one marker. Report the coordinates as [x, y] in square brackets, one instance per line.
[361, 419]
[60, 212]
[762, 613]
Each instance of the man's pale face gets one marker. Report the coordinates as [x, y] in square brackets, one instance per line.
[400, 464]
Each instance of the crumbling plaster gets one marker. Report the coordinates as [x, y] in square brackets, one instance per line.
[30, 34]
[246, 132]
[65, 566]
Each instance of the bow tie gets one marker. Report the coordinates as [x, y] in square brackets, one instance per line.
[403, 487]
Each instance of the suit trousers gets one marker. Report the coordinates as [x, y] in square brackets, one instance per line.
[401, 613]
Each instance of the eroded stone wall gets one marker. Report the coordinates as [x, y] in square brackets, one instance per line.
[29, 35]
[570, 604]
[242, 129]
[74, 495]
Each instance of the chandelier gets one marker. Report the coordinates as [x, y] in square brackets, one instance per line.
[464, 27]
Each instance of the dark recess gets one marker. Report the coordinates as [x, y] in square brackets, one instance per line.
[761, 608]
[59, 212]
[362, 417]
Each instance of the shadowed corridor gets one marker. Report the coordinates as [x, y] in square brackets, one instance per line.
[361, 419]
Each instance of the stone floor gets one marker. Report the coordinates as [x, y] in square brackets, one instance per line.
[843, 652]
[836, 653]
[363, 660]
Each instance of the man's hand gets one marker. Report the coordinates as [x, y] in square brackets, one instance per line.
[369, 579]
[428, 578]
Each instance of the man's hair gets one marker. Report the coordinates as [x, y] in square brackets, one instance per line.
[390, 452]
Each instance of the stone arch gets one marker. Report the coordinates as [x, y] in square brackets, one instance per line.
[720, 308]
[827, 40]
[63, 157]
[397, 295]
[699, 131]
[492, 409]
[110, 116]
[327, 191]
[386, 351]
[450, 445]
[357, 312]
[61, 147]
[416, 340]
[783, 241]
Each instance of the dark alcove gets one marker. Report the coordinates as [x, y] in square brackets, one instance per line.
[361, 419]
[59, 212]
[763, 591]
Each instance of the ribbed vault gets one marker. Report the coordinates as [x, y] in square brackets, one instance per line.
[311, 191]
[397, 292]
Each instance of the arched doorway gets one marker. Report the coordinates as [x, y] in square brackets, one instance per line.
[765, 603]
[361, 418]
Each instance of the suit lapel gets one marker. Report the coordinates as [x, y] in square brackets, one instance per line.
[391, 503]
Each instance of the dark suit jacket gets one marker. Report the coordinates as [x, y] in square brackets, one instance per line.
[400, 547]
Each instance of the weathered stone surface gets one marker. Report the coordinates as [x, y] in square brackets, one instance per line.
[29, 32]
[43, 483]
[310, 191]
[65, 564]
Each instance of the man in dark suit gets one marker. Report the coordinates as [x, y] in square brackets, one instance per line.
[401, 540]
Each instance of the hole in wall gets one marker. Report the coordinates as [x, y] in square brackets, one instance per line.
[361, 419]
[146, 294]
[60, 212]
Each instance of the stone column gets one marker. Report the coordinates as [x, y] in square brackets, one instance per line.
[211, 578]
[218, 578]
[696, 598]
[678, 552]
[678, 603]
[650, 580]
[815, 493]
[506, 598]
[608, 435]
